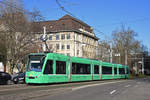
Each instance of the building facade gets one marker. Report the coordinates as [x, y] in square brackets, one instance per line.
[103, 51]
[70, 36]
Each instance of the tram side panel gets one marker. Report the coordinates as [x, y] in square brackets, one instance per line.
[96, 70]
[107, 70]
[80, 69]
[60, 69]
[122, 71]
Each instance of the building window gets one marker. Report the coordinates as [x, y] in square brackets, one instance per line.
[50, 37]
[68, 36]
[68, 46]
[62, 47]
[57, 46]
[57, 36]
[60, 67]
[63, 36]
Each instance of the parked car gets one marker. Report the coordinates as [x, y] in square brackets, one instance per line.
[19, 78]
[5, 78]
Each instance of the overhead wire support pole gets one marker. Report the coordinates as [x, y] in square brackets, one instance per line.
[142, 65]
[44, 39]
[44, 36]
[111, 51]
[126, 57]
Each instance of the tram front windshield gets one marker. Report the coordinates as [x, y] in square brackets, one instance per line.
[35, 63]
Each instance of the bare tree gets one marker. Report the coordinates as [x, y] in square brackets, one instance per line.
[17, 26]
[125, 44]
[3, 50]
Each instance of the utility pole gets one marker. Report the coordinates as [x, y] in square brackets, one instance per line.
[111, 51]
[44, 35]
[44, 39]
[126, 57]
[142, 65]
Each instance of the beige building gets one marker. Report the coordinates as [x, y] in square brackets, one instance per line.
[71, 36]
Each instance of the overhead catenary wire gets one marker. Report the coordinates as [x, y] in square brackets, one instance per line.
[63, 8]
[96, 29]
[68, 12]
[60, 6]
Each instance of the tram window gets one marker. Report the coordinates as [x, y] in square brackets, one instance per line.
[127, 70]
[106, 70]
[78, 68]
[121, 71]
[115, 70]
[60, 67]
[96, 69]
[49, 67]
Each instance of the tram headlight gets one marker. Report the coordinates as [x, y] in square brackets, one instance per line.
[37, 76]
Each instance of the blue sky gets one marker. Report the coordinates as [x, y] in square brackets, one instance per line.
[104, 15]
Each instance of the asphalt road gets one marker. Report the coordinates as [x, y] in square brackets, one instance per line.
[137, 89]
[26, 92]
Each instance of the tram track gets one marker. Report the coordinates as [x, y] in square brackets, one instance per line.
[2, 87]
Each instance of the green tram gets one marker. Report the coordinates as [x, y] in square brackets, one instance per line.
[53, 68]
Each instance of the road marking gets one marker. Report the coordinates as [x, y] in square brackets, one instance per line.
[127, 85]
[112, 91]
[81, 87]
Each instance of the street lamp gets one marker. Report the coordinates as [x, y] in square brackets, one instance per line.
[118, 56]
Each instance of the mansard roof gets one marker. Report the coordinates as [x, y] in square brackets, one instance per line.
[68, 22]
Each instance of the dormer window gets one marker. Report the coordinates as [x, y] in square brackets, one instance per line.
[83, 28]
[51, 26]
